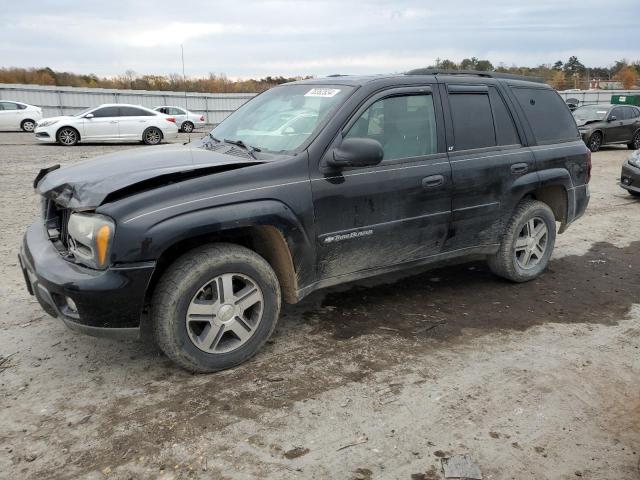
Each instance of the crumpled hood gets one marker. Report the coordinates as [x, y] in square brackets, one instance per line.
[86, 184]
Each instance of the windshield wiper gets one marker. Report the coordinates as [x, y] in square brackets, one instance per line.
[241, 144]
[213, 138]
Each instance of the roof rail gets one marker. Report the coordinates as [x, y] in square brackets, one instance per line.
[478, 73]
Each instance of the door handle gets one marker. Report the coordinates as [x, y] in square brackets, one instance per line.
[518, 168]
[433, 181]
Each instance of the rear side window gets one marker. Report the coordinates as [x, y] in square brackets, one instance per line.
[472, 120]
[506, 133]
[106, 112]
[134, 112]
[629, 113]
[405, 126]
[9, 106]
[549, 117]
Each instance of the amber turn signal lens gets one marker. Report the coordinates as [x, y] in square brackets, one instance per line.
[102, 243]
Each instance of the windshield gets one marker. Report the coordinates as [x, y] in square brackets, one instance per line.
[284, 118]
[590, 113]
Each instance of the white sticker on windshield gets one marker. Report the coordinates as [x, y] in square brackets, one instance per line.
[322, 92]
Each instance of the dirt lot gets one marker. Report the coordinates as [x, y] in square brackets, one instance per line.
[373, 380]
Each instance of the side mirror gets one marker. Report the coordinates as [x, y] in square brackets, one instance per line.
[612, 118]
[89, 115]
[357, 152]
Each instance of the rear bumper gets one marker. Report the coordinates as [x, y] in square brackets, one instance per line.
[630, 177]
[107, 303]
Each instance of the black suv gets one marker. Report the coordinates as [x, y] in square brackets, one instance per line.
[310, 184]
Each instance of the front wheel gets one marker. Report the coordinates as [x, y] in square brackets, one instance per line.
[635, 142]
[68, 136]
[152, 136]
[215, 307]
[595, 142]
[527, 243]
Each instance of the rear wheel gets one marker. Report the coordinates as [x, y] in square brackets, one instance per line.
[215, 307]
[67, 136]
[28, 125]
[527, 243]
[187, 127]
[595, 142]
[152, 136]
[635, 142]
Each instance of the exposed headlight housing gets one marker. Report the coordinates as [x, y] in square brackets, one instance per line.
[634, 160]
[91, 236]
[46, 123]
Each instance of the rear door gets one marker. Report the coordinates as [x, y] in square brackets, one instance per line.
[394, 212]
[179, 114]
[132, 122]
[487, 157]
[9, 116]
[630, 123]
[103, 125]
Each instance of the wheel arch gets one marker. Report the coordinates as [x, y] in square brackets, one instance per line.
[278, 238]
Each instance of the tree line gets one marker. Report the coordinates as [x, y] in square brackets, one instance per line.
[561, 75]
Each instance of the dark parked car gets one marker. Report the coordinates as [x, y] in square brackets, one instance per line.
[608, 124]
[630, 175]
[310, 184]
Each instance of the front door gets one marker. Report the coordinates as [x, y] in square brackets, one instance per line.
[103, 125]
[397, 211]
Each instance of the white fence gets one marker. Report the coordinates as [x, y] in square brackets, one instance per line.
[588, 97]
[70, 100]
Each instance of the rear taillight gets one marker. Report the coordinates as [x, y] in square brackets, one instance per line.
[588, 166]
[202, 118]
[170, 119]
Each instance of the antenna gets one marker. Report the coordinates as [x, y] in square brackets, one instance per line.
[184, 83]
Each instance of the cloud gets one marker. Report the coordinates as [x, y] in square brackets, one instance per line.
[273, 37]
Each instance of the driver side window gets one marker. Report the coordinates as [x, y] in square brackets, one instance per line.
[405, 126]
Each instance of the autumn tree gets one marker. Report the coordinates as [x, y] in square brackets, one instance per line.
[559, 81]
[628, 76]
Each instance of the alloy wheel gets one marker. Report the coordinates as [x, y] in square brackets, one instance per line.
[153, 136]
[187, 127]
[28, 126]
[225, 313]
[595, 142]
[68, 136]
[636, 141]
[531, 243]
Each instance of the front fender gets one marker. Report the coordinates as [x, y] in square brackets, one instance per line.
[152, 243]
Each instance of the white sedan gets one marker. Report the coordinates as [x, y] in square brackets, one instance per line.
[107, 123]
[185, 119]
[18, 115]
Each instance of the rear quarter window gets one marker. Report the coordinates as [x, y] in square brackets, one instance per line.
[549, 117]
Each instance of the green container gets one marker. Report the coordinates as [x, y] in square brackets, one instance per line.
[626, 99]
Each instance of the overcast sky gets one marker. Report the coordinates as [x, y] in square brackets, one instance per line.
[247, 38]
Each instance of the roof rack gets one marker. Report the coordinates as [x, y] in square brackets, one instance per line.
[477, 73]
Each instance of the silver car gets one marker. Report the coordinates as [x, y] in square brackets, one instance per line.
[185, 120]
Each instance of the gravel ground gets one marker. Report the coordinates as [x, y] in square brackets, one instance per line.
[373, 380]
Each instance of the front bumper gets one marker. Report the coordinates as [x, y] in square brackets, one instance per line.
[108, 303]
[44, 135]
[630, 177]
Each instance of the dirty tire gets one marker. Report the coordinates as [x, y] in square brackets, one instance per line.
[504, 262]
[152, 136]
[28, 125]
[595, 142]
[182, 282]
[635, 142]
[187, 127]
